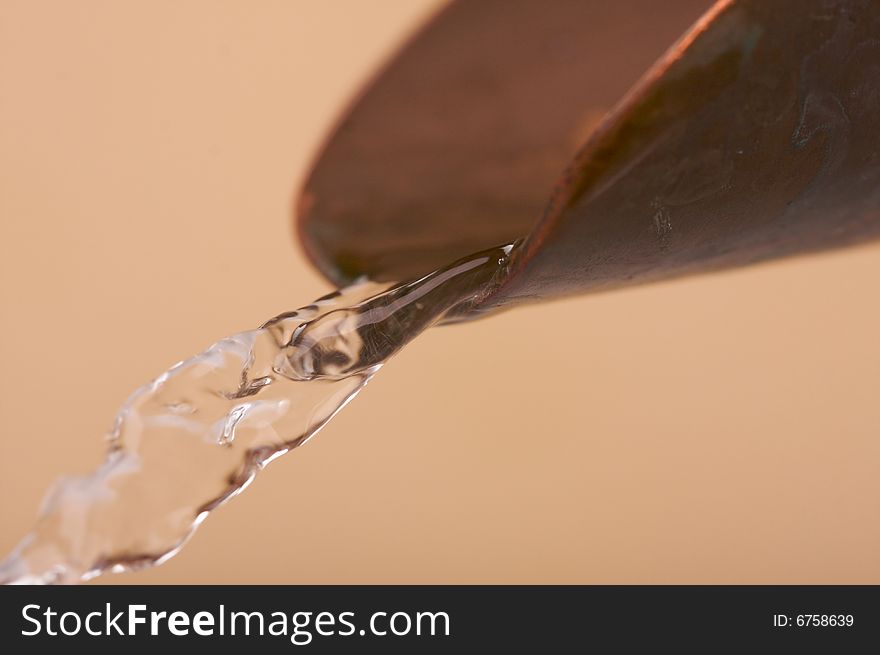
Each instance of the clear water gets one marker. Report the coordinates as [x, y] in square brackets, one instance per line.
[198, 434]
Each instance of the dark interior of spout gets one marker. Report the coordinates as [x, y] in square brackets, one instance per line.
[457, 144]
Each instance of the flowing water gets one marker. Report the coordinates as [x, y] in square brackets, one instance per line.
[198, 434]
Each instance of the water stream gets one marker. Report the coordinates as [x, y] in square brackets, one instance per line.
[197, 435]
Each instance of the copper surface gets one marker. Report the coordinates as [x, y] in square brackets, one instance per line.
[755, 136]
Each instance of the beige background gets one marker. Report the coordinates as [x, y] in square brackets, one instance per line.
[720, 429]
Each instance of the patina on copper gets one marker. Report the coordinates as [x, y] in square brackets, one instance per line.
[757, 135]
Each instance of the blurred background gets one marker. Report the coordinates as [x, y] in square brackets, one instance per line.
[722, 429]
